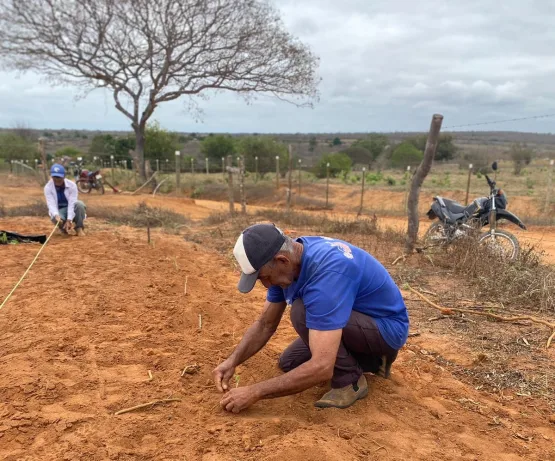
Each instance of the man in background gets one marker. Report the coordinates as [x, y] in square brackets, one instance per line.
[63, 206]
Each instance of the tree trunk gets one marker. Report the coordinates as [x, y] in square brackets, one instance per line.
[139, 152]
[417, 180]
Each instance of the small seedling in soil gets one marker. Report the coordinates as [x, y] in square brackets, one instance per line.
[190, 369]
[237, 379]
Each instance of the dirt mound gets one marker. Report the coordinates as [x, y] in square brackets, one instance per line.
[96, 314]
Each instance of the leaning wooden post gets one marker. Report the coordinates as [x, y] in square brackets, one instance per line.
[177, 172]
[417, 180]
[223, 167]
[207, 166]
[468, 184]
[290, 179]
[193, 172]
[277, 172]
[362, 193]
[242, 185]
[230, 185]
[548, 192]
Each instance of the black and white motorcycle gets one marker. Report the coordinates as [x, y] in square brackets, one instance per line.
[457, 221]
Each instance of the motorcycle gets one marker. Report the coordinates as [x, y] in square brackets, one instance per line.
[87, 180]
[457, 221]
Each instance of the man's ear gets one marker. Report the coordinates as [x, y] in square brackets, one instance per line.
[281, 258]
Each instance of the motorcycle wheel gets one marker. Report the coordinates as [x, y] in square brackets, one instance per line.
[501, 243]
[100, 187]
[84, 186]
[435, 235]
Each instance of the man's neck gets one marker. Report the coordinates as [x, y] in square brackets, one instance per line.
[297, 258]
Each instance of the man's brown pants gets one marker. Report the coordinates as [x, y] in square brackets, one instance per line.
[360, 351]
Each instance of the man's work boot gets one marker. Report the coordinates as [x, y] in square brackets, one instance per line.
[80, 232]
[345, 396]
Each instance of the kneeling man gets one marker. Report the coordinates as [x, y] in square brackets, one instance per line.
[63, 206]
[349, 314]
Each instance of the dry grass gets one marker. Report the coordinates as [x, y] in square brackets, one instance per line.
[37, 208]
[141, 216]
[321, 223]
[526, 282]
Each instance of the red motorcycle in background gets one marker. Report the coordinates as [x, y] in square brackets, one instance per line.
[87, 180]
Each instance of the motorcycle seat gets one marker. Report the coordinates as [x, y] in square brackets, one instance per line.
[451, 210]
[453, 207]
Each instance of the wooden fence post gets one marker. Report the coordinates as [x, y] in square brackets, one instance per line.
[417, 180]
[362, 192]
[207, 166]
[223, 167]
[42, 149]
[548, 191]
[327, 184]
[112, 167]
[177, 172]
[256, 169]
[157, 164]
[406, 200]
[468, 184]
[230, 185]
[242, 185]
[290, 185]
[300, 171]
[277, 172]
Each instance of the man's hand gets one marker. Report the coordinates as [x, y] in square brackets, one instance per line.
[68, 225]
[239, 399]
[58, 219]
[222, 374]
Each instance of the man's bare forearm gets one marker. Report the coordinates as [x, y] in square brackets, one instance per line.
[254, 339]
[297, 380]
[258, 334]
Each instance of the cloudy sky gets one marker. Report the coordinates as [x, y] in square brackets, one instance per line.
[385, 66]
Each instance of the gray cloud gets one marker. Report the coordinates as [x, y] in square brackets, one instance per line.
[385, 66]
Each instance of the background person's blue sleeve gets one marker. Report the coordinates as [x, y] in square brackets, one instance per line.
[275, 295]
[328, 300]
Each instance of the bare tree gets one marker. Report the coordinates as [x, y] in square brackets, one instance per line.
[22, 129]
[150, 52]
[417, 180]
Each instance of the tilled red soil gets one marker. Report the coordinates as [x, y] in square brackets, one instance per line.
[96, 314]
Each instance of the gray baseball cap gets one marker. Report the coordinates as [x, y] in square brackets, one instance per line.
[255, 247]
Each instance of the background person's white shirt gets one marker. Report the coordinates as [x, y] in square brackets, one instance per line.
[71, 194]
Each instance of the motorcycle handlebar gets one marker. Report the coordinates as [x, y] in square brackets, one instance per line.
[491, 183]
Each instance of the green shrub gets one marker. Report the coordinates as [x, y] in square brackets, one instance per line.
[405, 154]
[374, 178]
[339, 163]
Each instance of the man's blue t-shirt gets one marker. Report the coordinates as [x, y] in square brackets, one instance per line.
[337, 278]
[62, 199]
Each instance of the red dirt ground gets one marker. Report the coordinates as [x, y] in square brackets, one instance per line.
[543, 237]
[95, 314]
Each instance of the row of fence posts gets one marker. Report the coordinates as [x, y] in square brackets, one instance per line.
[17, 169]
